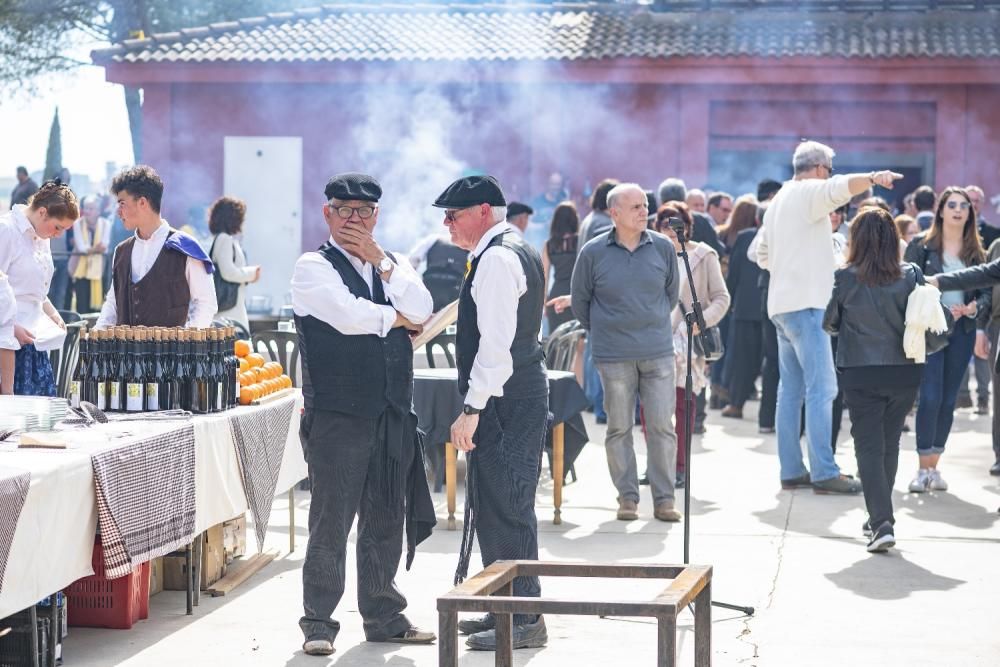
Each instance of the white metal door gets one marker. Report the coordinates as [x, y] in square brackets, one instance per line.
[266, 173]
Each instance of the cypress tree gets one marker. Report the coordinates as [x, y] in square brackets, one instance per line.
[53, 156]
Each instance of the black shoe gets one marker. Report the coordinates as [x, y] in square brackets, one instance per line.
[906, 427]
[995, 468]
[644, 480]
[963, 401]
[601, 419]
[699, 429]
[529, 635]
[679, 482]
[796, 482]
[471, 626]
[882, 539]
[983, 407]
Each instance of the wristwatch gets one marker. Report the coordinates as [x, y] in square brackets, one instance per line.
[385, 265]
[469, 410]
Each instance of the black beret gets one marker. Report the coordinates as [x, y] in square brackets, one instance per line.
[353, 186]
[471, 190]
[517, 208]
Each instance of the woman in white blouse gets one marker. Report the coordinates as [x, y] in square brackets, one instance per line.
[225, 221]
[27, 260]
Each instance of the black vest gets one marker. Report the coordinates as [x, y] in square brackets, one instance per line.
[358, 375]
[528, 379]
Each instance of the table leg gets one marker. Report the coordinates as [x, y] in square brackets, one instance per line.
[55, 627]
[199, 543]
[504, 654]
[450, 463]
[291, 520]
[558, 474]
[447, 639]
[666, 640]
[189, 569]
[33, 650]
[703, 627]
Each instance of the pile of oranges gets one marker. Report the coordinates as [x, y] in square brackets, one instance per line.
[258, 377]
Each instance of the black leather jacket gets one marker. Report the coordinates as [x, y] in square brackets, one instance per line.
[931, 263]
[869, 322]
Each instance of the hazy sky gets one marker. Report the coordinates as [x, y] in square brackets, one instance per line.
[91, 113]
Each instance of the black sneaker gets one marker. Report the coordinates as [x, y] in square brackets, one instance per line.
[995, 468]
[471, 626]
[882, 539]
[529, 635]
[644, 480]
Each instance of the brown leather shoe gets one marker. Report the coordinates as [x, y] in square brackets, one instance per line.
[732, 412]
[666, 512]
[628, 510]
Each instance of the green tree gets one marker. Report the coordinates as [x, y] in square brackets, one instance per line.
[36, 34]
[53, 156]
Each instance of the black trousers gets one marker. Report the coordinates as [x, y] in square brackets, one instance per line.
[346, 457]
[506, 463]
[994, 333]
[745, 361]
[769, 372]
[877, 415]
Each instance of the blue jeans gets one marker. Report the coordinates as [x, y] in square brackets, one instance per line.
[939, 387]
[807, 374]
[592, 386]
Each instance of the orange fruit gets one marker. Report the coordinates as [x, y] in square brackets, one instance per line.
[258, 374]
[242, 348]
[246, 395]
[258, 391]
[286, 382]
[255, 359]
[243, 364]
[246, 378]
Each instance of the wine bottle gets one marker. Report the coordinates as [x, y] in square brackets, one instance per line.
[116, 359]
[134, 376]
[199, 379]
[79, 371]
[233, 366]
[99, 370]
[149, 358]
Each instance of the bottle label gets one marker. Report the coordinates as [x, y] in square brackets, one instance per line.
[152, 397]
[102, 398]
[219, 391]
[114, 400]
[74, 394]
[133, 400]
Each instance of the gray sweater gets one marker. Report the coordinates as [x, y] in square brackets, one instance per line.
[624, 299]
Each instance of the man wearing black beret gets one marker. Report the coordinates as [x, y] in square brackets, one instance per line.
[501, 374]
[354, 305]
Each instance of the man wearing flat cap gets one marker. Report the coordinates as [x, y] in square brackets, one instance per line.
[518, 216]
[354, 306]
[501, 374]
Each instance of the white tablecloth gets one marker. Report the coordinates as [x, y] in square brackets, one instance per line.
[54, 538]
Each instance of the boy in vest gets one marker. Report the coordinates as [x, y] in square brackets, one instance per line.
[161, 277]
[354, 307]
[500, 371]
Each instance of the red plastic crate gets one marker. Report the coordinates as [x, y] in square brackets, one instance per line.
[96, 602]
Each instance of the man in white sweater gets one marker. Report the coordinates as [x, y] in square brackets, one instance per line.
[796, 247]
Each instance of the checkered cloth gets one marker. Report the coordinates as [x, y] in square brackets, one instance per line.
[145, 498]
[260, 437]
[13, 490]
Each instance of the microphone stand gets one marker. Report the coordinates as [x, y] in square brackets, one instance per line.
[694, 317]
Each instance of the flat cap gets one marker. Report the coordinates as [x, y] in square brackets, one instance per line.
[353, 186]
[471, 190]
[516, 208]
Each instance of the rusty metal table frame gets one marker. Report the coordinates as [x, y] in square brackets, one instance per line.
[558, 474]
[491, 591]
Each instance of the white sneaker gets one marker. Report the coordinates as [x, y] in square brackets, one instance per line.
[921, 482]
[936, 482]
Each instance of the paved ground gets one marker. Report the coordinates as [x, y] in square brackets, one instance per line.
[799, 558]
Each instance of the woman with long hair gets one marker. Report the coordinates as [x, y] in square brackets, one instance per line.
[225, 221]
[26, 258]
[867, 314]
[710, 287]
[744, 216]
[559, 254]
[951, 244]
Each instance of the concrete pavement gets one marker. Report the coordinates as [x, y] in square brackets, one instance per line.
[797, 557]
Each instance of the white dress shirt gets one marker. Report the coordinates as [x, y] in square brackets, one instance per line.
[318, 290]
[496, 290]
[203, 306]
[8, 315]
[27, 260]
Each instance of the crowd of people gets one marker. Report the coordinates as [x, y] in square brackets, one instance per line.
[812, 284]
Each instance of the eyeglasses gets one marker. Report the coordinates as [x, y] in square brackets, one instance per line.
[958, 204]
[452, 214]
[364, 212]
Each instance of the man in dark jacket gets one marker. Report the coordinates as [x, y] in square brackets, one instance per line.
[24, 189]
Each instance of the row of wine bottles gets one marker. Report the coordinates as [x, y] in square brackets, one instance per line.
[145, 369]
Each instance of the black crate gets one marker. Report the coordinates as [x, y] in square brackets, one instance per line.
[16, 648]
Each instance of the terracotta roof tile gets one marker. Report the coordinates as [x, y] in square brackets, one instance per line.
[337, 33]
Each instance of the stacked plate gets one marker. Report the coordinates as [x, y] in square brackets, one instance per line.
[37, 413]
